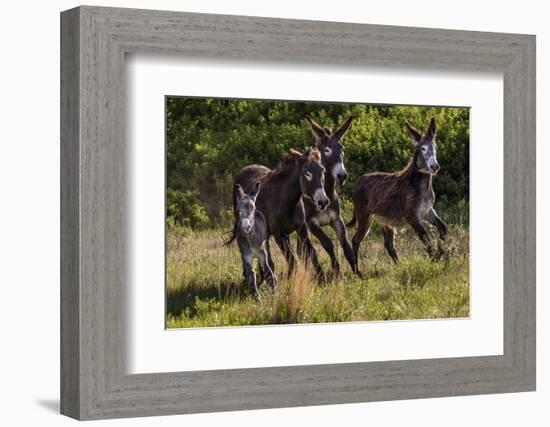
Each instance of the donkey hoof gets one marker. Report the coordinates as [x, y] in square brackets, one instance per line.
[356, 271]
[436, 255]
[336, 274]
[323, 278]
[256, 293]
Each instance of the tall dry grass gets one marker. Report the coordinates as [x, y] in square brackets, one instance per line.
[205, 286]
[292, 298]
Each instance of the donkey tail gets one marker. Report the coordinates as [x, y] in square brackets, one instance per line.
[233, 232]
[232, 235]
[353, 220]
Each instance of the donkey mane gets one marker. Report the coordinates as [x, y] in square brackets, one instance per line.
[284, 164]
[405, 197]
[290, 161]
[408, 170]
[298, 174]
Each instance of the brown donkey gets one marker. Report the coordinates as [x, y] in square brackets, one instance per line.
[300, 175]
[400, 198]
[332, 157]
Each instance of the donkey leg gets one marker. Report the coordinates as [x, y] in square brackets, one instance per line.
[299, 245]
[308, 251]
[284, 243]
[263, 274]
[266, 268]
[389, 243]
[437, 222]
[269, 258]
[363, 226]
[325, 241]
[342, 233]
[269, 261]
[422, 234]
[250, 273]
[244, 252]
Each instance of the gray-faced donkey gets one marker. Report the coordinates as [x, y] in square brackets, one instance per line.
[252, 238]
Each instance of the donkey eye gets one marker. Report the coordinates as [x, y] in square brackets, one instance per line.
[327, 151]
[308, 175]
[424, 148]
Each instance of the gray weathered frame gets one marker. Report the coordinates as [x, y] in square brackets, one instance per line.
[94, 41]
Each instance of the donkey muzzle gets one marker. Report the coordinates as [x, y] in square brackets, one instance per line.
[321, 200]
[246, 226]
[340, 173]
[342, 177]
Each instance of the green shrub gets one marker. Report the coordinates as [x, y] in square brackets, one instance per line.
[184, 207]
[209, 140]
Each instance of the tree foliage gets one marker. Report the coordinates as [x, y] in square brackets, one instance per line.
[209, 140]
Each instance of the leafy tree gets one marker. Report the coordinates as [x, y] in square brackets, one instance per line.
[209, 140]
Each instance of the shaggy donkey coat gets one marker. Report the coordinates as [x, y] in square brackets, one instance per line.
[400, 198]
[253, 238]
[332, 158]
[300, 175]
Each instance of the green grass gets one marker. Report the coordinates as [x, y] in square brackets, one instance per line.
[205, 285]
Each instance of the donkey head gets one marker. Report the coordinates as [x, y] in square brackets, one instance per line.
[425, 156]
[246, 207]
[331, 148]
[312, 176]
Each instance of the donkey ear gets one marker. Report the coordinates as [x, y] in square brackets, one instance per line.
[318, 131]
[343, 128]
[255, 190]
[431, 129]
[415, 134]
[240, 191]
[295, 153]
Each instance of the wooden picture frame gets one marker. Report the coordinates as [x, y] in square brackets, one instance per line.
[94, 382]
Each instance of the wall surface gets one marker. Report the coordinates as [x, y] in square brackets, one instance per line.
[29, 212]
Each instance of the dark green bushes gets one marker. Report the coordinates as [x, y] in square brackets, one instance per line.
[210, 140]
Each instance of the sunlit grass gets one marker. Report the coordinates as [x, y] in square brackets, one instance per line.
[205, 284]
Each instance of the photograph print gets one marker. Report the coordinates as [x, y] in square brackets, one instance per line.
[293, 212]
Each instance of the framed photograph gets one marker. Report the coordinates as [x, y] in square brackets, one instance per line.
[261, 213]
[217, 184]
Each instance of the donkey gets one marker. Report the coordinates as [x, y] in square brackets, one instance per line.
[253, 238]
[400, 198]
[298, 176]
[332, 158]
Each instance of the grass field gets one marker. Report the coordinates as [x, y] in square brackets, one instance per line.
[205, 284]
